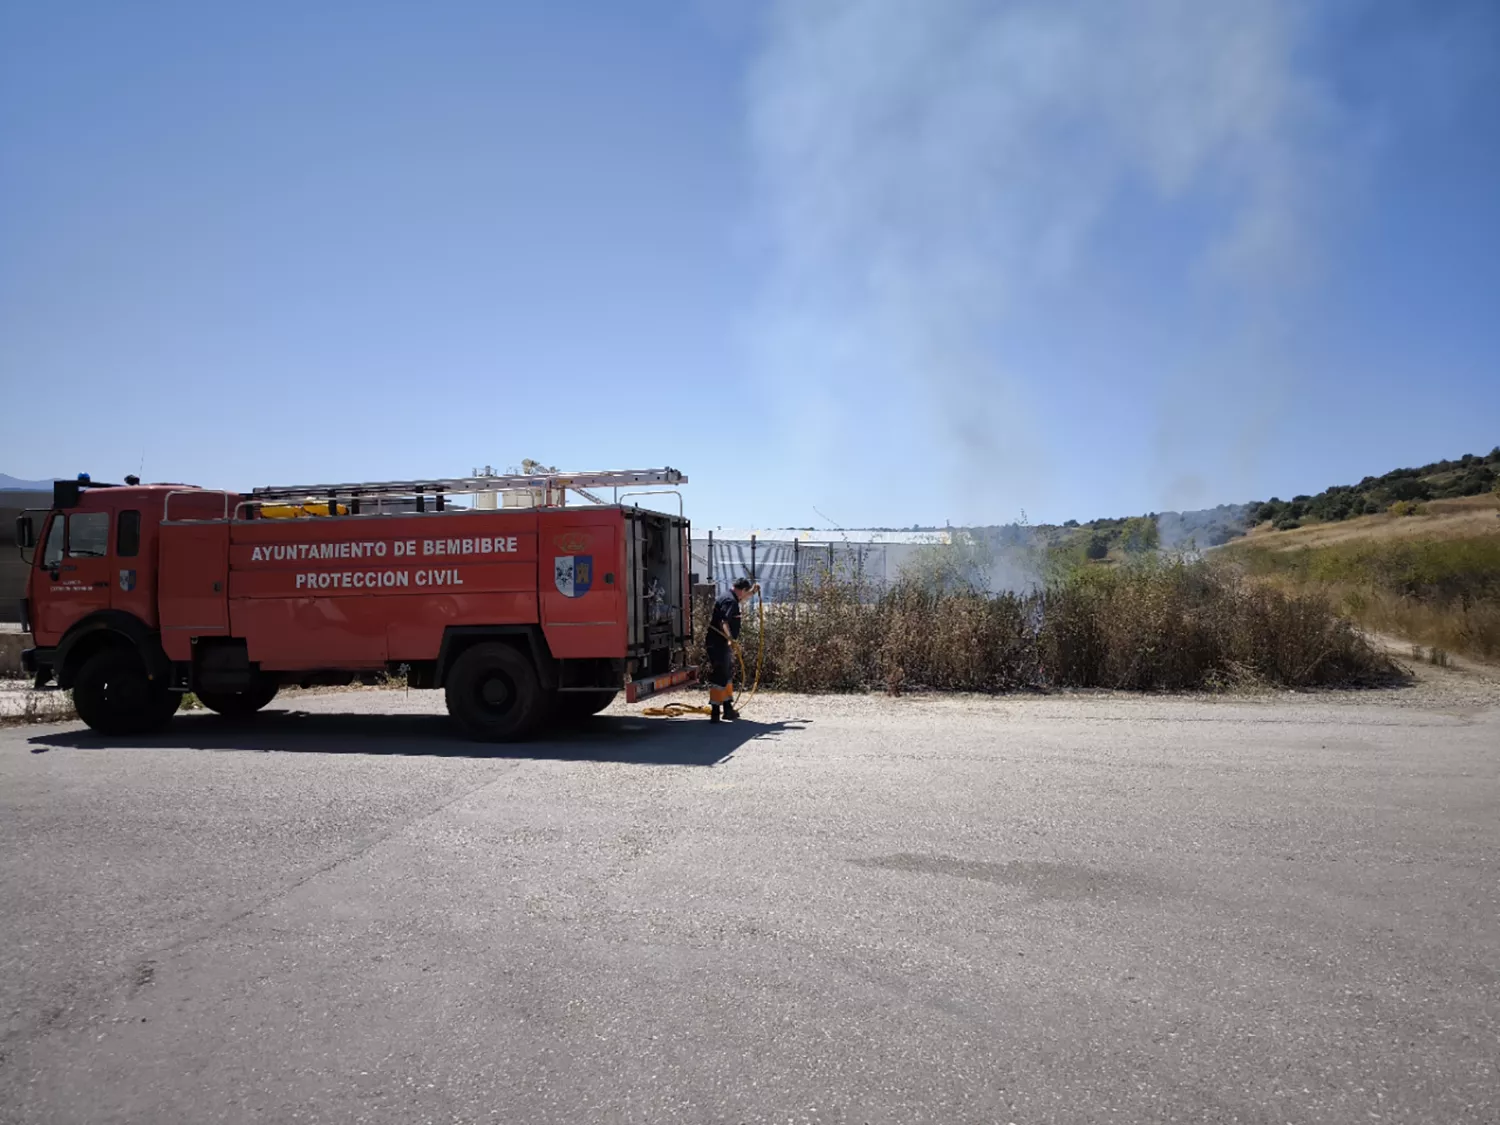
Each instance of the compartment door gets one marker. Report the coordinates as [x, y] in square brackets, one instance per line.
[581, 582]
[192, 584]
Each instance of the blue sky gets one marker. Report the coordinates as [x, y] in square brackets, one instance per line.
[885, 262]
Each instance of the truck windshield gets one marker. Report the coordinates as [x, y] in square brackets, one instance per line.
[88, 535]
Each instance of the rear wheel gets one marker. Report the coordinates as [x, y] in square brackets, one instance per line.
[240, 704]
[493, 692]
[576, 706]
[113, 694]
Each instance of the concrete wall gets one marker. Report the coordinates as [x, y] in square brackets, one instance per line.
[12, 567]
[12, 641]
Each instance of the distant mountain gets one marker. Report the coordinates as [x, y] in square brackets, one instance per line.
[15, 484]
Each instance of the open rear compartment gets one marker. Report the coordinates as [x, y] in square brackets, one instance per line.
[659, 613]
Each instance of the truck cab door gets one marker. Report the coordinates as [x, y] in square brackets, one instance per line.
[73, 572]
[133, 588]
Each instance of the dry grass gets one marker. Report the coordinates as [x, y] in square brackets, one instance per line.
[1443, 592]
[1147, 626]
[1435, 656]
[1472, 629]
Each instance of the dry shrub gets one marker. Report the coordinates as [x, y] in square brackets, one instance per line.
[1300, 640]
[1143, 628]
[960, 641]
[1177, 626]
[1150, 626]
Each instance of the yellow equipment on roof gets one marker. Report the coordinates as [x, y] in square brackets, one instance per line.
[307, 508]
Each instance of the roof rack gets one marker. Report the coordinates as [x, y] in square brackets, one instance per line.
[551, 484]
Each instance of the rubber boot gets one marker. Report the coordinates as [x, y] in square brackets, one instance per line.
[713, 713]
[730, 714]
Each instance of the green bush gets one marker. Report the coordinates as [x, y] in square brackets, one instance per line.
[1470, 475]
[1408, 488]
[1269, 511]
[1139, 535]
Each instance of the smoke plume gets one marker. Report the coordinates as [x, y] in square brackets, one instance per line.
[933, 171]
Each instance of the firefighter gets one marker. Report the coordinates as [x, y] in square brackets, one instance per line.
[723, 629]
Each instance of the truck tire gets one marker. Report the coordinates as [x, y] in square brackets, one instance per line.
[494, 693]
[114, 696]
[240, 704]
[576, 706]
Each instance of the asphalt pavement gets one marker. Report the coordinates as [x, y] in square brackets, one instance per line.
[1096, 909]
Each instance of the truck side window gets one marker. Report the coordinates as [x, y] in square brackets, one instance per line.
[88, 535]
[52, 553]
[128, 535]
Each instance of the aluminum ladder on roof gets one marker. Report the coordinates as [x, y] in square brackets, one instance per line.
[458, 486]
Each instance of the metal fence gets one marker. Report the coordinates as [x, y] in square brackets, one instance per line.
[784, 568]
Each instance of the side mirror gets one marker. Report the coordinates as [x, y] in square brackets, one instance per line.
[25, 533]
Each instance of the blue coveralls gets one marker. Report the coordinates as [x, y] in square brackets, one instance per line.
[720, 655]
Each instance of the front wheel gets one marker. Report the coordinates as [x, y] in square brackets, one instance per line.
[113, 694]
[240, 704]
[494, 693]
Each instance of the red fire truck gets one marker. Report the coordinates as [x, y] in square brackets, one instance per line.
[523, 608]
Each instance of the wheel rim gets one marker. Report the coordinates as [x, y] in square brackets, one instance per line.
[125, 693]
[496, 693]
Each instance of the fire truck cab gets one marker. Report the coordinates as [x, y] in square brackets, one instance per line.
[523, 609]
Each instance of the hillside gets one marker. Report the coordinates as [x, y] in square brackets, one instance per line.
[1426, 491]
[1429, 575]
[1470, 475]
[1459, 518]
[1443, 500]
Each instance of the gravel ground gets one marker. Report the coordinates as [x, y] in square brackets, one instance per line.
[1283, 908]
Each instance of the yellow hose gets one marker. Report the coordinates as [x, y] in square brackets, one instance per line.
[675, 710]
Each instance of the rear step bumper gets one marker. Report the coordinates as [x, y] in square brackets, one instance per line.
[637, 690]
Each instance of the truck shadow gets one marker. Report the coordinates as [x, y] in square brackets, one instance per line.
[624, 739]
